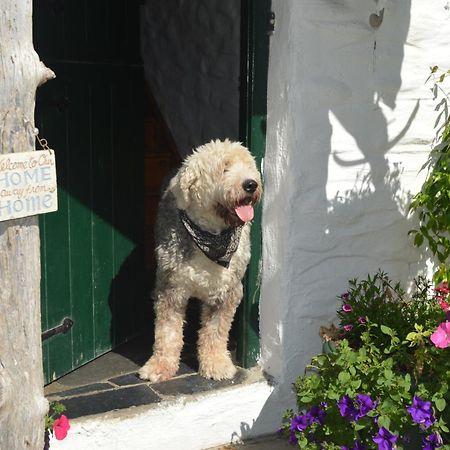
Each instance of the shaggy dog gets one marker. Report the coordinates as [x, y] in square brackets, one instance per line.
[202, 249]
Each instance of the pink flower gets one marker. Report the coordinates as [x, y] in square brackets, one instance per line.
[60, 427]
[347, 308]
[362, 320]
[348, 327]
[443, 288]
[444, 305]
[345, 296]
[441, 337]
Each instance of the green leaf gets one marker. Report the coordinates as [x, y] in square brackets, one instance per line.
[344, 377]
[384, 421]
[440, 404]
[387, 330]
[418, 240]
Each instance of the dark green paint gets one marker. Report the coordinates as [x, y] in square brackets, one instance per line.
[91, 114]
[254, 68]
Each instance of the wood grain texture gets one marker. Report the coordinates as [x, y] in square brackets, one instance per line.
[22, 404]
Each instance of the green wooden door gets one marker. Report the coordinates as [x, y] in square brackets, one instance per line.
[91, 114]
[256, 25]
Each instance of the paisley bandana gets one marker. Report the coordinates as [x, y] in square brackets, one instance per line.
[217, 247]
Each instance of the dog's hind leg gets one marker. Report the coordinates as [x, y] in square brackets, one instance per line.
[170, 309]
[213, 355]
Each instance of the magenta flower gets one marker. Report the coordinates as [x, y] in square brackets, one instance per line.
[348, 327]
[362, 320]
[385, 439]
[345, 296]
[441, 337]
[346, 307]
[421, 412]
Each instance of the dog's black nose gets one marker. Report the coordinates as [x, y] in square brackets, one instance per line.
[250, 186]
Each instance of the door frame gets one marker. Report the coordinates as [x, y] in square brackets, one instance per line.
[255, 35]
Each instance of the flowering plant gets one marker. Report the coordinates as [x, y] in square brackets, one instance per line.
[56, 423]
[383, 384]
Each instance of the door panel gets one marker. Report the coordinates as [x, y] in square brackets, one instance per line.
[92, 115]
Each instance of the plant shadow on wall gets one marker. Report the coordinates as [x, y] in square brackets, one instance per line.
[349, 77]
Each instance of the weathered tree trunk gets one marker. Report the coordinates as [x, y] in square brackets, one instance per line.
[22, 404]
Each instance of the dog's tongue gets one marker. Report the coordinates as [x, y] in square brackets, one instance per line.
[244, 212]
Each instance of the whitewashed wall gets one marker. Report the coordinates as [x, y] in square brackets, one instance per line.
[349, 126]
[191, 52]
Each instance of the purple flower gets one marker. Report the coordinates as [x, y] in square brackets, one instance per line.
[421, 412]
[385, 439]
[432, 441]
[316, 415]
[348, 327]
[345, 295]
[293, 439]
[346, 307]
[362, 320]
[365, 404]
[347, 408]
[300, 423]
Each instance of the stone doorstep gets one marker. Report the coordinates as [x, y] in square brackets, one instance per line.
[177, 422]
[128, 391]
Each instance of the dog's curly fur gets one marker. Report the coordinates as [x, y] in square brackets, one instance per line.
[208, 187]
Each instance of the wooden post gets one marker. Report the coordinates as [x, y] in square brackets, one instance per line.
[22, 403]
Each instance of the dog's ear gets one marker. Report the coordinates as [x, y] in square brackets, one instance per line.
[183, 186]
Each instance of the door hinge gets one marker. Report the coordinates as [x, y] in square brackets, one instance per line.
[270, 22]
[65, 326]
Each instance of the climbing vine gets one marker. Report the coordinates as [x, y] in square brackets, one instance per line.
[432, 203]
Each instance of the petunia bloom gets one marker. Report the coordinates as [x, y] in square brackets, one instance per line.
[345, 295]
[432, 441]
[60, 427]
[346, 307]
[300, 423]
[441, 337]
[421, 412]
[385, 439]
[442, 289]
[365, 404]
[362, 320]
[316, 415]
[348, 327]
[347, 408]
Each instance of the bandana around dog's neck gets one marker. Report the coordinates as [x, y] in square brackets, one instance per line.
[217, 247]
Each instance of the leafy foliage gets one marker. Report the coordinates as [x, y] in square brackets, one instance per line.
[432, 203]
[364, 394]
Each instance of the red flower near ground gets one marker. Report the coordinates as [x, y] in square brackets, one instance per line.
[60, 427]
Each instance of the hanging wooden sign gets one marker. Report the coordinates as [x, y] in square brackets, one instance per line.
[27, 184]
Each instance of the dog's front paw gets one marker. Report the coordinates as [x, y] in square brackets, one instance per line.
[158, 369]
[217, 367]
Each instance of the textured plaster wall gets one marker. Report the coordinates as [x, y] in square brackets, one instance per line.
[349, 126]
[191, 52]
